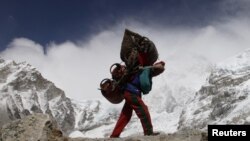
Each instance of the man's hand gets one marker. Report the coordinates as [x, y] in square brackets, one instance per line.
[158, 68]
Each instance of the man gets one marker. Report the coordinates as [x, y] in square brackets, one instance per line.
[133, 101]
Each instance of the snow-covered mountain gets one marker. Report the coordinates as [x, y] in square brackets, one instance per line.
[183, 97]
[24, 91]
[224, 99]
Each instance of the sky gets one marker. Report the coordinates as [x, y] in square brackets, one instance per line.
[57, 21]
[74, 42]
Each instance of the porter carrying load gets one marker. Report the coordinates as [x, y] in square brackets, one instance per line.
[138, 53]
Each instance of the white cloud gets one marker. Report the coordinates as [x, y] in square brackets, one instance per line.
[23, 48]
[78, 68]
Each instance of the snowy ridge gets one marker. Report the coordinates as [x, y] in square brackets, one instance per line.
[94, 118]
[224, 99]
[238, 63]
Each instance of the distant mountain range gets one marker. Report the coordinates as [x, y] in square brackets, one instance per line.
[202, 94]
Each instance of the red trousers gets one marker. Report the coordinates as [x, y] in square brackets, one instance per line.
[133, 102]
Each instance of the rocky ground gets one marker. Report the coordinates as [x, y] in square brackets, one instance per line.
[41, 127]
[180, 136]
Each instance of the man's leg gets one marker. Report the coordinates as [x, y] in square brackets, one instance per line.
[123, 120]
[142, 112]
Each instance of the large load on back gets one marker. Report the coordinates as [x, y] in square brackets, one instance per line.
[136, 50]
[111, 88]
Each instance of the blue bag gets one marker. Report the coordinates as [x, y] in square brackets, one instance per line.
[146, 80]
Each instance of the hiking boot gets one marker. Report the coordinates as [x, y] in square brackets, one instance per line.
[153, 134]
[114, 136]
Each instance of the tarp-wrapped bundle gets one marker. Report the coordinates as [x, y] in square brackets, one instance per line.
[137, 50]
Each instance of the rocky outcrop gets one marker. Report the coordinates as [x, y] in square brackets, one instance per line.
[36, 127]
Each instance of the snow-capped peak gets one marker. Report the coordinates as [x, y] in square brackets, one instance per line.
[24, 91]
[238, 63]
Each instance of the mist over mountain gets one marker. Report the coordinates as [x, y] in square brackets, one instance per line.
[69, 64]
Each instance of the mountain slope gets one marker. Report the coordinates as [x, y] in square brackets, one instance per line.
[24, 91]
[224, 99]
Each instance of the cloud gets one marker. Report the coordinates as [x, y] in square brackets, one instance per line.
[236, 8]
[23, 49]
[78, 68]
